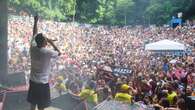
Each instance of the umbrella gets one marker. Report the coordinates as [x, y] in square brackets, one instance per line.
[116, 105]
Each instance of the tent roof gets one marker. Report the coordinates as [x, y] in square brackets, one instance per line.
[165, 45]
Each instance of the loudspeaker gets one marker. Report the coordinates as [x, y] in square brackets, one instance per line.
[16, 101]
[191, 102]
[68, 102]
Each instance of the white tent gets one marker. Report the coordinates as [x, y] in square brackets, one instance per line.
[165, 45]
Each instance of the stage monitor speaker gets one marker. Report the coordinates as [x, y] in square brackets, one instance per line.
[68, 102]
[191, 102]
[16, 101]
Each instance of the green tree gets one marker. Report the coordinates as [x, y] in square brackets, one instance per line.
[110, 12]
[106, 12]
[114, 12]
[49, 9]
[138, 12]
[67, 8]
[86, 10]
[160, 11]
[123, 10]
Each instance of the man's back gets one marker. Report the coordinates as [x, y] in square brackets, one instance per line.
[40, 63]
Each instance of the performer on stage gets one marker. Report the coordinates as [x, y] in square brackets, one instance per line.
[39, 91]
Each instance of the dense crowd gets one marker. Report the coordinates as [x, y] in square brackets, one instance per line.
[88, 48]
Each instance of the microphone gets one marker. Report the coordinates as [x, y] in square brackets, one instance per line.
[53, 39]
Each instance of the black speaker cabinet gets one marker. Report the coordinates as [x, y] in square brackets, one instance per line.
[191, 102]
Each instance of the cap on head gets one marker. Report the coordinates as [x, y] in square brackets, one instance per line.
[124, 87]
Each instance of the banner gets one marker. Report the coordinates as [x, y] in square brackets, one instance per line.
[121, 71]
[113, 71]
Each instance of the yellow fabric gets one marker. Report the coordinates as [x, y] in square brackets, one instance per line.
[124, 97]
[171, 96]
[61, 78]
[61, 86]
[124, 87]
[90, 95]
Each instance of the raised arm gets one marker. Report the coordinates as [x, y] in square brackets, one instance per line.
[35, 29]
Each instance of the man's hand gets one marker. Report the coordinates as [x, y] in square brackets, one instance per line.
[51, 42]
[59, 53]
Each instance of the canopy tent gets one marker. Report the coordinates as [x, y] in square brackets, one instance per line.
[165, 45]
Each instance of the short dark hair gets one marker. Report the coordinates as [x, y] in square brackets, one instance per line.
[164, 102]
[39, 39]
[181, 104]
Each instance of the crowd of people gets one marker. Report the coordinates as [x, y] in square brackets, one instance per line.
[87, 49]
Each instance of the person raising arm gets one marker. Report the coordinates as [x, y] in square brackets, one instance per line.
[39, 90]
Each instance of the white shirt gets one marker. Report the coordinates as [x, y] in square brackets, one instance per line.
[40, 63]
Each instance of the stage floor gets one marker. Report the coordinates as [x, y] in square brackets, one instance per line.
[17, 101]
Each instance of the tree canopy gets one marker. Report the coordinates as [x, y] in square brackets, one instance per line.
[109, 12]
